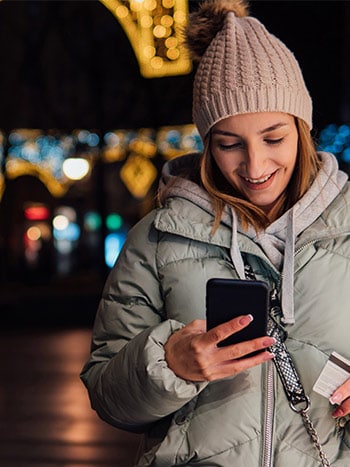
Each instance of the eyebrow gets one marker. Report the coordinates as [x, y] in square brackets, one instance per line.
[261, 132]
[273, 127]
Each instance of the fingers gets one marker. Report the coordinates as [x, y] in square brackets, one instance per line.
[192, 353]
[232, 367]
[341, 397]
[219, 333]
[243, 349]
[229, 360]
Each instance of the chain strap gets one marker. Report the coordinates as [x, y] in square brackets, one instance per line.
[298, 400]
[314, 437]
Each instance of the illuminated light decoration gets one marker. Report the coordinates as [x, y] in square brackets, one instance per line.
[336, 139]
[71, 233]
[138, 174]
[144, 144]
[38, 231]
[116, 144]
[76, 168]
[149, 26]
[346, 155]
[33, 152]
[87, 137]
[45, 230]
[113, 245]
[18, 168]
[33, 242]
[92, 221]
[119, 143]
[2, 185]
[114, 221]
[2, 178]
[67, 211]
[63, 247]
[33, 233]
[60, 222]
[177, 141]
[36, 213]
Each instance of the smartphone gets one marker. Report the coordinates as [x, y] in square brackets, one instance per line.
[229, 298]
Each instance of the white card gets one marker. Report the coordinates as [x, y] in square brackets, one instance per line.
[333, 375]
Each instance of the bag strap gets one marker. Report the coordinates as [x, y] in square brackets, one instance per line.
[298, 400]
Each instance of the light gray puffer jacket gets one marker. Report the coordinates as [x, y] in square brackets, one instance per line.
[158, 285]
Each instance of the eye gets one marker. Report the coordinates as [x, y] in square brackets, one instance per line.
[230, 147]
[274, 141]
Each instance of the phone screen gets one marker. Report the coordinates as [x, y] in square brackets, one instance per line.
[229, 298]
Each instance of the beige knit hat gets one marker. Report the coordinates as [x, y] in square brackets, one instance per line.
[244, 69]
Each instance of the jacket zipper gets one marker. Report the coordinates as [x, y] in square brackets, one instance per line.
[269, 415]
[300, 249]
[266, 459]
[275, 313]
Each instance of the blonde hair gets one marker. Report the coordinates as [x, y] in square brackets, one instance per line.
[222, 193]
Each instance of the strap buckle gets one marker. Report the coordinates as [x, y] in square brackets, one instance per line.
[304, 409]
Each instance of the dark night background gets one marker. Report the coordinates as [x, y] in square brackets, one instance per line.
[68, 64]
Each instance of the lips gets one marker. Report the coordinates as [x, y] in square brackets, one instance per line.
[259, 183]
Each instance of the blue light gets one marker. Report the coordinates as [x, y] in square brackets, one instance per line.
[336, 139]
[346, 155]
[70, 233]
[113, 244]
[93, 139]
[111, 139]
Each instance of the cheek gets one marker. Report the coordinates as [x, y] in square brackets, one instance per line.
[226, 164]
[288, 161]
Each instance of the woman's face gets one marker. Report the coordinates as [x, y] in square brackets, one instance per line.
[256, 153]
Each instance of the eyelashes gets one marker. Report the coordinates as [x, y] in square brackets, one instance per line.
[232, 147]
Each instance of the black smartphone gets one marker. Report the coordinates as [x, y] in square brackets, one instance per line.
[229, 298]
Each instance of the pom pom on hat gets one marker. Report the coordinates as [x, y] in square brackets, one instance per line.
[205, 23]
[242, 67]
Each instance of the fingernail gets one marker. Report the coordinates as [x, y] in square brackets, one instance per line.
[246, 320]
[338, 413]
[269, 341]
[269, 356]
[336, 399]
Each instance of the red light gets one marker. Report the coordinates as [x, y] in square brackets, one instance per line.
[36, 213]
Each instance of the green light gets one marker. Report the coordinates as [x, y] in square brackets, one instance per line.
[114, 221]
[92, 221]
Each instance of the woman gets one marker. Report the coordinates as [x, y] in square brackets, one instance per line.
[260, 200]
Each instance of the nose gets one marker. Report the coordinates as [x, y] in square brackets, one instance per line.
[254, 162]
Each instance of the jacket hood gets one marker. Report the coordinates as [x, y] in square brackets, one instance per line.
[180, 179]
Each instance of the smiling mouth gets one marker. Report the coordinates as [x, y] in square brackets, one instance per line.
[258, 181]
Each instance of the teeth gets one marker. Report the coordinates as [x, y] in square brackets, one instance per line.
[256, 182]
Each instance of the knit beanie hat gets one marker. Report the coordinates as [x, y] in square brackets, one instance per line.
[242, 67]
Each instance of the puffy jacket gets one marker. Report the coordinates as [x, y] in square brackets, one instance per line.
[158, 285]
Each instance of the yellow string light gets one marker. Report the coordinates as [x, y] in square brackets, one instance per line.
[138, 174]
[155, 31]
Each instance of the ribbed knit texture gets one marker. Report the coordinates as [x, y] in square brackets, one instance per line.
[244, 70]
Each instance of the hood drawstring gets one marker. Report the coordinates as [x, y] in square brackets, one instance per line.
[287, 298]
[235, 253]
[281, 254]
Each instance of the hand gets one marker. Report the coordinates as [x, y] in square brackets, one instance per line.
[192, 353]
[341, 397]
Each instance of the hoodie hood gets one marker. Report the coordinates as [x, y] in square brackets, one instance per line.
[180, 178]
